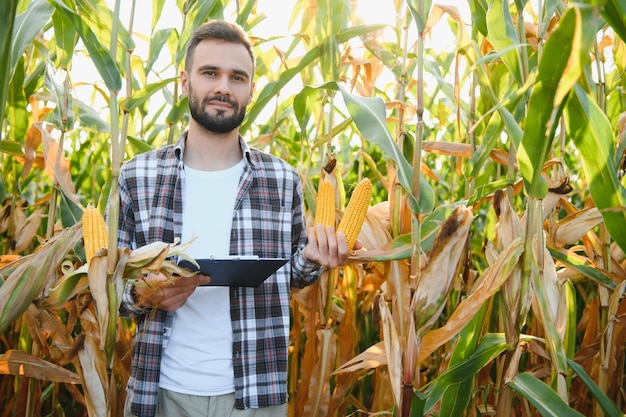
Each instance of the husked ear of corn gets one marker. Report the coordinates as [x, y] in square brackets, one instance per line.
[354, 216]
[325, 204]
[95, 235]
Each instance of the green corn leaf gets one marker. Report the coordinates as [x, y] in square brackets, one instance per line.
[198, 12]
[139, 97]
[592, 133]
[457, 397]
[17, 34]
[610, 409]
[27, 26]
[570, 329]
[369, 116]
[420, 20]
[89, 118]
[490, 346]
[272, 89]
[11, 148]
[542, 396]
[614, 13]
[502, 35]
[157, 9]
[100, 56]
[66, 38]
[478, 9]
[157, 40]
[417, 404]
[8, 10]
[581, 265]
[100, 18]
[17, 104]
[67, 287]
[177, 111]
[490, 138]
[138, 145]
[561, 65]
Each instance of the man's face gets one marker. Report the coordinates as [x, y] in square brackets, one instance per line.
[219, 85]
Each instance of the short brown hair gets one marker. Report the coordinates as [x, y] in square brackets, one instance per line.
[217, 30]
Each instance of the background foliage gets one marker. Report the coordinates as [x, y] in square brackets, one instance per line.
[494, 272]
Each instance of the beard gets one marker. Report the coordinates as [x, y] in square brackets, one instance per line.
[220, 122]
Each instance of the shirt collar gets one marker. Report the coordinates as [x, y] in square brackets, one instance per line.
[179, 149]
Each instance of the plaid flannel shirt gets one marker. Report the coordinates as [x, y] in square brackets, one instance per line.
[268, 221]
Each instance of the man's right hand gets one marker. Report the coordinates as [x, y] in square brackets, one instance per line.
[160, 292]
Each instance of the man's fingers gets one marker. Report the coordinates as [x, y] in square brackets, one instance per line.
[195, 280]
[326, 247]
[166, 293]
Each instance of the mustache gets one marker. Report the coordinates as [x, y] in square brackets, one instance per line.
[223, 99]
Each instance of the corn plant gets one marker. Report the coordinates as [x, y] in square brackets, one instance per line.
[492, 276]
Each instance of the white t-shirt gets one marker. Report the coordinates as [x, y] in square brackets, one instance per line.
[198, 358]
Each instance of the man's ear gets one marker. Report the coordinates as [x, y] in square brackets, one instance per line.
[184, 83]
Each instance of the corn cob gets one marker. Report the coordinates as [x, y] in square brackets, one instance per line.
[325, 204]
[354, 216]
[95, 235]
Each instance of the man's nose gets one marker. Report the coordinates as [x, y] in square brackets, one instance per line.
[223, 85]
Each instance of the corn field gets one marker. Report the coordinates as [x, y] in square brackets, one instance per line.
[492, 281]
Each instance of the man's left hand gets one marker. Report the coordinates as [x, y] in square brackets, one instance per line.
[327, 247]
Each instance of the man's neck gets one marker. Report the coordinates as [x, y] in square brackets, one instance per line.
[209, 151]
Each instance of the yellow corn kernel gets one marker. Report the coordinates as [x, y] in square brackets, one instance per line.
[354, 216]
[325, 204]
[95, 235]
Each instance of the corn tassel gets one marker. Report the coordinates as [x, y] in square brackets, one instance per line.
[95, 235]
[354, 216]
[325, 204]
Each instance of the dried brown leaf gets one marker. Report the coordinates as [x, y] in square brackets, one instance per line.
[347, 339]
[61, 342]
[508, 227]
[435, 280]
[15, 362]
[319, 390]
[97, 277]
[93, 375]
[572, 228]
[372, 357]
[27, 231]
[33, 272]
[393, 349]
[7, 259]
[375, 232]
[57, 166]
[489, 282]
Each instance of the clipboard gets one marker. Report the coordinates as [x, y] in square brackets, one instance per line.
[235, 271]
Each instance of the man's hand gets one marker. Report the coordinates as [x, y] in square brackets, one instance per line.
[160, 292]
[326, 247]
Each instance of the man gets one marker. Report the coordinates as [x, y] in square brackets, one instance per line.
[216, 351]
